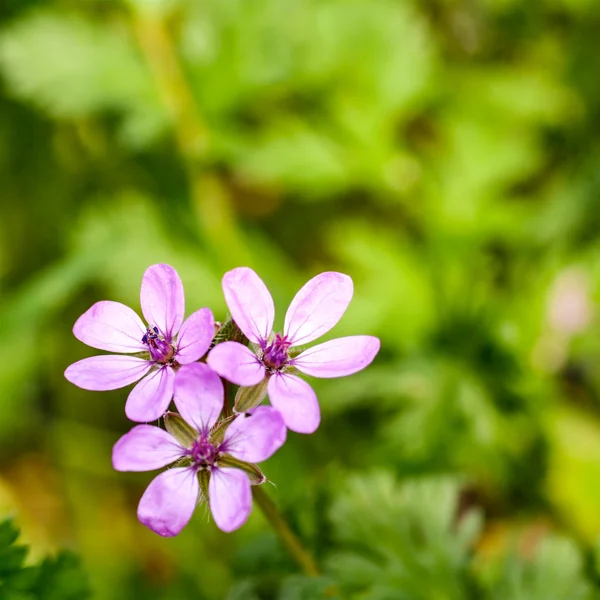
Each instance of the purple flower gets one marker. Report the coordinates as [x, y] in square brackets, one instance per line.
[169, 501]
[317, 307]
[165, 344]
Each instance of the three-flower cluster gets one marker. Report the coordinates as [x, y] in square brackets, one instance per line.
[213, 451]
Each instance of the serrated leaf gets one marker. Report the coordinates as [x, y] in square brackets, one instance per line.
[56, 578]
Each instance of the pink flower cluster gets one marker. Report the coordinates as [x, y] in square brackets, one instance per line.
[212, 453]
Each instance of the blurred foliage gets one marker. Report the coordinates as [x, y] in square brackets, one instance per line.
[444, 153]
[59, 578]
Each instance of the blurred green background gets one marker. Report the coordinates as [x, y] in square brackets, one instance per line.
[444, 153]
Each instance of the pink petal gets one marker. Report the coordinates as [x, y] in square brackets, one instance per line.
[151, 397]
[236, 363]
[195, 336]
[250, 303]
[109, 372]
[110, 326]
[339, 357]
[199, 395]
[145, 448]
[317, 307]
[230, 498]
[162, 299]
[256, 435]
[296, 401]
[169, 501]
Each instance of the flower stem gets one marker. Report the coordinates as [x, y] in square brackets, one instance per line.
[210, 198]
[287, 537]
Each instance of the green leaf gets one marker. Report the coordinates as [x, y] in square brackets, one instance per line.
[401, 541]
[73, 68]
[56, 578]
[298, 587]
[555, 572]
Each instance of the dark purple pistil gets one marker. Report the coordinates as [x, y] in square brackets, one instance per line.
[203, 453]
[275, 356]
[160, 351]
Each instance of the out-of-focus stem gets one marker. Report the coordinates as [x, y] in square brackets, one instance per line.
[291, 543]
[210, 199]
[154, 39]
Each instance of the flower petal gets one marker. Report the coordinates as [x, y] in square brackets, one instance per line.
[236, 363]
[199, 395]
[162, 299]
[195, 336]
[339, 357]
[230, 498]
[111, 372]
[250, 303]
[317, 307]
[145, 448]
[296, 401]
[150, 398]
[255, 435]
[110, 326]
[169, 501]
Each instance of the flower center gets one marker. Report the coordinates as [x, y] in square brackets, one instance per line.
[203, 453]
[275, 356]
[160, 350]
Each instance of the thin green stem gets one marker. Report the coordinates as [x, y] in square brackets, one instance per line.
[289, 540]
[211, 200]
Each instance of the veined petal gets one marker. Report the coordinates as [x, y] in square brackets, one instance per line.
[195, 336]
[145, 448]
[199, 395]
[339, 357]
[169, 501]
[255, 435]
[296, 401]
[110, 326]
[317, 307]
[230, 498]
[162, 299]
[236, 363]
[111, 372]
[250, 303]
[150, 398]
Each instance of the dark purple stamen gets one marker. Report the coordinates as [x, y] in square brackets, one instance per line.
[275, 356]
[160, 351]
[203, 453]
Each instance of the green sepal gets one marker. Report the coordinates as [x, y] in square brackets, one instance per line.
[250, 397]
[185, 434]
[217, 433]
[203, 479]
[291, 370]
[230, 332]
[253, 471]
